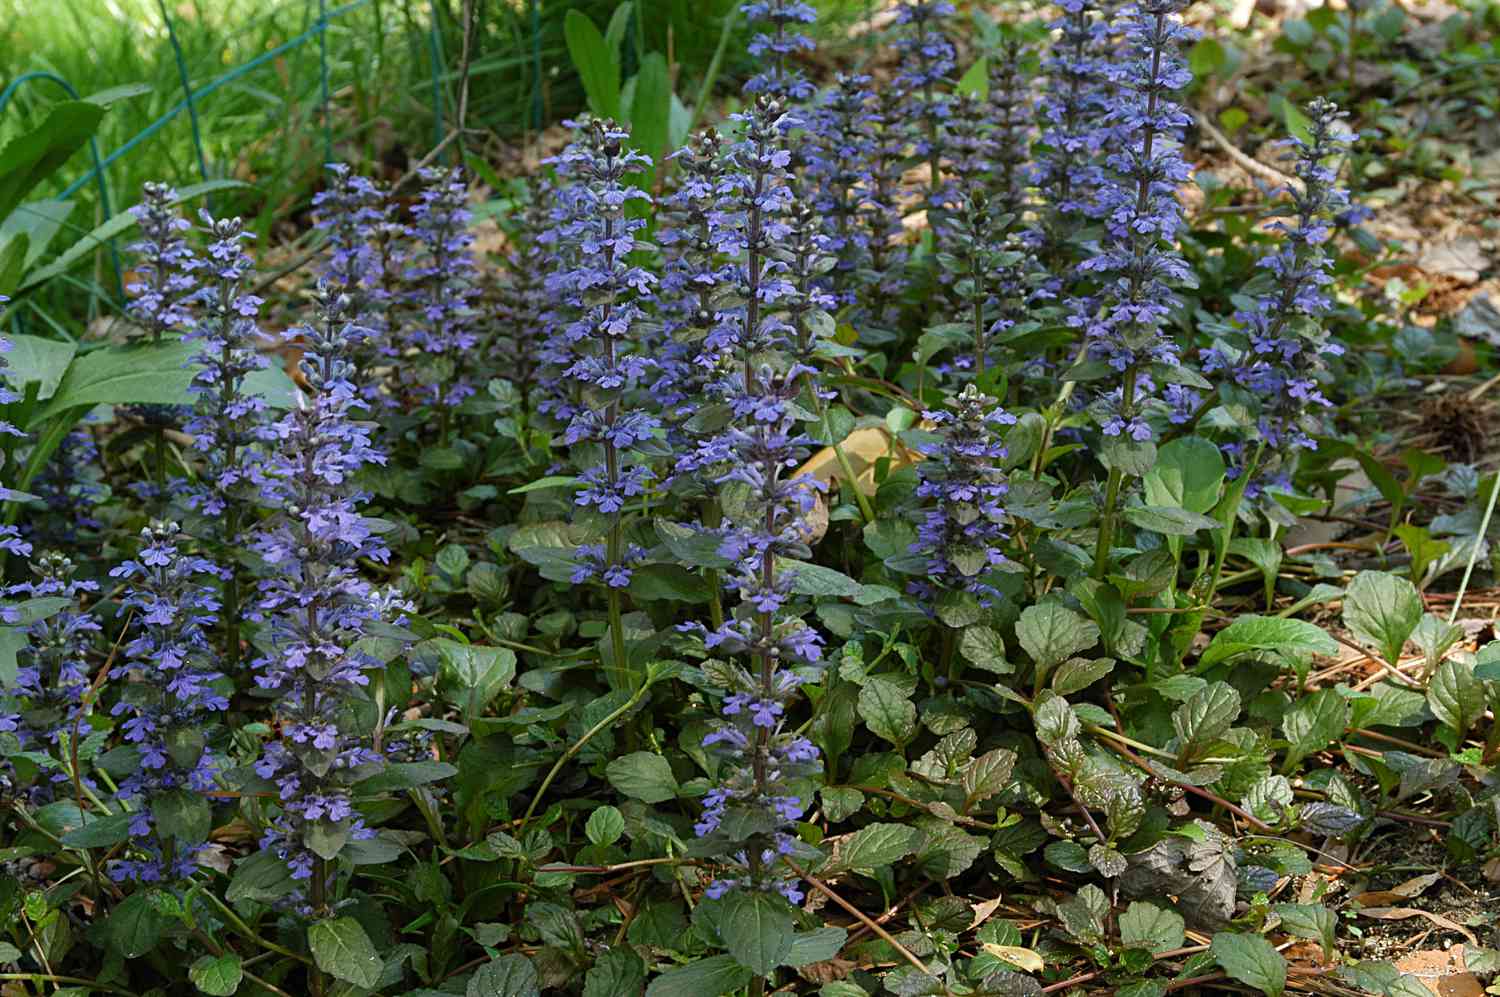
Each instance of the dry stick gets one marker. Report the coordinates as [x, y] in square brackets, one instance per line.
[863, 918]
[859, 933]
[1254, 166]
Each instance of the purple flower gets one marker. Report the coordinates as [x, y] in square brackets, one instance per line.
[779, 38]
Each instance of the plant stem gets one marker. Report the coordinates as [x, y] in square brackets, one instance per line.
[1116, 479]
[576, 747]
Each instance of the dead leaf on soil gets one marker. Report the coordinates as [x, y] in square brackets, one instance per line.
[1402, 913]
[1413, 887]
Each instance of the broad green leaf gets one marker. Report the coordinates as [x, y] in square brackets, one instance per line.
[1313, 724]
[261, 877]
[183, 815]
[617, 971]
[471, 675]
[1309, 921]
[122, 222]
[1251, 960]
[99, 832]
[508, 976]
[988, 774]
[135, 926]
[886, 710]
[1147, 926]
[30, 158]
[757, 929]
[1456, 696]
[341, 949]
[1382, 610]
[877, 846]
[651, 108]
[975, 81]
[1052, 633]
[1169, 521]
[147, 372]
[40, 361]
[1188, 474]
[818, 945]
[1207, 714]
[39, 222]
[605, 826]
[596, 64]
[219, 975]
[1292, 639]
[13, 262]
[643, 776]
[711, 977]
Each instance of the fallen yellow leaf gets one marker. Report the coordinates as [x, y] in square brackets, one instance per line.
[1025, 959]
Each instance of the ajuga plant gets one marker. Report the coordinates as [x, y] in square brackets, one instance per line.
[609, 288]
[166, 676]
[927, 63]
[53, 671]
[1069, 113]
[838, 171]
[780, 38]
[161, 304]
[523, 306]
[228, 419]
[315, 605]
[1283, 348]
[70, 489]
[365, 257]
[961, 499]
[1136, 261]
[1009, 110]
[441, 288]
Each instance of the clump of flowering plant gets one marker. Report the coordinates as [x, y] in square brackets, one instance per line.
[227, 419]
[440, 300]
[1285, 345]
[780, 38]
[168, 697]
[315, 606]
[609, 288]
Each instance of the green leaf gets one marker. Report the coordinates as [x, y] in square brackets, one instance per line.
[605, 826]
[183, 815]
[135, 926]
[976, 80]
[1382, 610]
[99, 832]
[30, 158]
[1251, 960]
[146, 372]
[1169, 521]
[984, 647]
[261, 877]
[1309, 921]
[1188, 474]
[507, 976]
[877, 846]
[617, 971]
[651, 107]
[886, 710]
[341, 949]
[219, 975]
[1147, 926]
[1313, 724]
[33, 360]
[1290, 638]
[643, 776]
[595, 63]
[711, 977]
[472, 675]
[818, 945]
[1207, 714]
[122, 222]
[1456, 696]
[1052, 633]
[756, 928]
[1132, 457]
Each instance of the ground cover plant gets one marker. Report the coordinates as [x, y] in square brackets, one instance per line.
[853, 540]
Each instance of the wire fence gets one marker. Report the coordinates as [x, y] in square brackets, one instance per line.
[192, 97]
